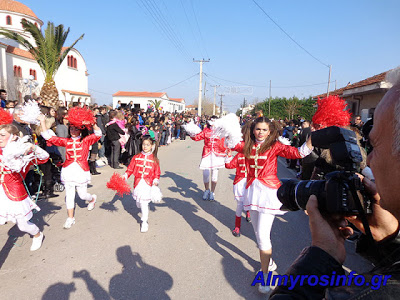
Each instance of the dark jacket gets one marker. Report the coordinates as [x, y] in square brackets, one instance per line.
[113, 132]
[99, 122]
[315, 261]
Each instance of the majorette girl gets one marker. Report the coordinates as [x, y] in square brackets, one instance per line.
[261, 149]
[145, 167]
[15, 204]
[239, 187]
[213, 158]
[75, 171]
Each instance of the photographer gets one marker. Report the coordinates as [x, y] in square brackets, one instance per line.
[327, 252]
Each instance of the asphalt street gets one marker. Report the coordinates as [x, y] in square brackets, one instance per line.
[188, 252]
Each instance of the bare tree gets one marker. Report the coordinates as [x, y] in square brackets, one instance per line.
[206, 105]
[292, 105]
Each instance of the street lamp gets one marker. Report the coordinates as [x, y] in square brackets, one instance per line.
[31, 83]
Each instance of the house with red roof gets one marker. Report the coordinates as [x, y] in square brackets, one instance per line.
[363, 96]
[17, 64]
[143, 100]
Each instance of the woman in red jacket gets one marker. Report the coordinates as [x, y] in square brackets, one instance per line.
[213, 158]
[15, 204]
[145, 167]
[75, 171]
[261, 149]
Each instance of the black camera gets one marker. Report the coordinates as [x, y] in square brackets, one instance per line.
[342, 190]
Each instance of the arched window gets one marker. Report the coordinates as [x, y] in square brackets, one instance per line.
[15, 71]
[68, 61]
[19, 72]
[22, 20]
[8, 20]
[75, 63]
[33, 73]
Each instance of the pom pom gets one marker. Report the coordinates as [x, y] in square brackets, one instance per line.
[5, 117]
[156, 195]
[191, 128]
[81, 117]
[118, 183]
[30, 112]
[332, 112]
[228, 127]
[284, 140]
[14, 157]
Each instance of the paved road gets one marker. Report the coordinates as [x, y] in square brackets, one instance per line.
[188, 252]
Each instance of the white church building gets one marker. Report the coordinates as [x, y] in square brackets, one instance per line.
[141, 100]
[17, 64]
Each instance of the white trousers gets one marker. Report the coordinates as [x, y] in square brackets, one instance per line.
[262, 224]
[70, 194]
[144, 207]
[26, 226]
[239, 208]
[206, 175]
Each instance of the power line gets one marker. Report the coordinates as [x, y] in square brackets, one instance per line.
[198, 27]
[326, 65]
[177, 83]
[190, 26]
[234, 81]
[297, 86]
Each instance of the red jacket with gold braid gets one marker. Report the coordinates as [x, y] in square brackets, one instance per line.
[76, 150]
[211, 143]
[12, 182]
[239, 163]
[143, 166]
[264, 166]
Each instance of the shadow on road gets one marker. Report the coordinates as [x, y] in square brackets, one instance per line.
[138, 280]
[127, 202]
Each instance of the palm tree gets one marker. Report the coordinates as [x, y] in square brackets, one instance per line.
[156, 104]
[48, 52]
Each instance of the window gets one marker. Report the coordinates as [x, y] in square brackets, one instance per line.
[33, 73]
[72, 62]
[75, 64]
[8, 20]
[17, 71]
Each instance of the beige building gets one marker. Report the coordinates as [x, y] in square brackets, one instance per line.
[363, 96]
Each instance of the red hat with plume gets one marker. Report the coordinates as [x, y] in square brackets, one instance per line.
[5, 117]
[81, 117]
[332, 111]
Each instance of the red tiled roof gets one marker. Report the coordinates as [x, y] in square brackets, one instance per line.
[370, 80]
[180, 100]
[19, 52]
[190, 106]
[75, 93]
[139, 94]
[16, 6]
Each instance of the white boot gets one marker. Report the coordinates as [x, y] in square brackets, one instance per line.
[37, 242]
[92, 203]
[206, 194]
[69, 222]
[144, 227]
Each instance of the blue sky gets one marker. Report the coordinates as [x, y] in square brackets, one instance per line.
[125, 50]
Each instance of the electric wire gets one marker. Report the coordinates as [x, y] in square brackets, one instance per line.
[305, 50]
[198, 28]
[177, 83]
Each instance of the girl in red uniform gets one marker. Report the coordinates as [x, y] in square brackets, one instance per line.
[261, 149]
[145, 167]
[239, 187]
[75, 172]
[15, 204]
[213, 158]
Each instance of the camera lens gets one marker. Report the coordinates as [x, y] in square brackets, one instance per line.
[294, 194]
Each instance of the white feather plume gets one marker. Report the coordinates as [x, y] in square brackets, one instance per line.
[191, 128]
[30, 112]
[228, 127]
[156, 195]
[14, 157]
[284, 140]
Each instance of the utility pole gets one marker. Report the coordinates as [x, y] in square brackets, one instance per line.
[269, 100]
[215, 94]
[220, 109]
[200, 83]
[329, 80]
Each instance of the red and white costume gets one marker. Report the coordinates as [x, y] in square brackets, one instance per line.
[239, 183]
[146, 172]
[262, 180]
[75, 171]
[15, 204]
[213, 156]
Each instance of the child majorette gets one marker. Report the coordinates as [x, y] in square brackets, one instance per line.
[261, 149]
[239, 187]
[75, 171]
[213, 158]
[15, 159]
[145, 167]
